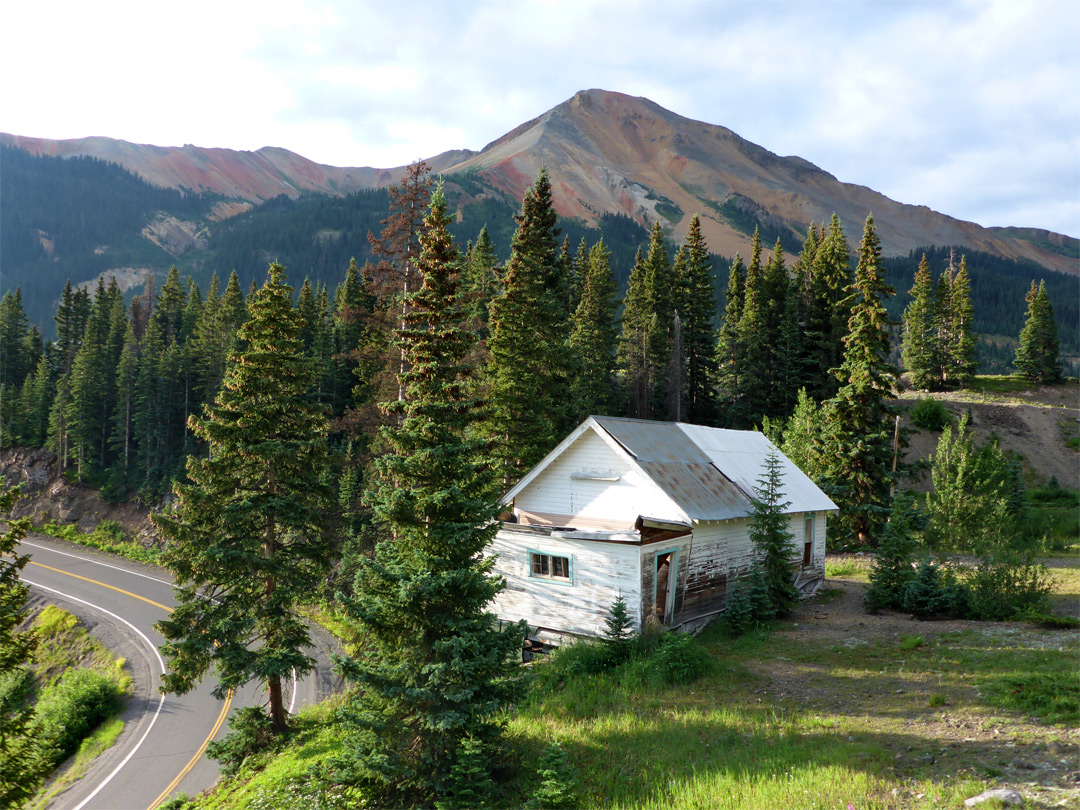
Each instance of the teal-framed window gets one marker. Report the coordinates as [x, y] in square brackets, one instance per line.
[558, 568]
[808, 540]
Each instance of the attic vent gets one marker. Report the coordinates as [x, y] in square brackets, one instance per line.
[594, 475]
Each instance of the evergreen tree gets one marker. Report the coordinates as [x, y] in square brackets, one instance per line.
[770, 532]
[660, 298]
[633, 355]
[437, 671]
[1037, 357]
[529, 370]
[860, 431]
[829, 310]
[20, 761]
[480, 282]
[959, 354]
[754, 350]
[593, 337]
[697, 309]
[729, 359]
[920, 346]
[247, 542]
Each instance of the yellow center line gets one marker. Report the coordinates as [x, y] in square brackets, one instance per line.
[198, 754]
[224, 709]
[103, 585]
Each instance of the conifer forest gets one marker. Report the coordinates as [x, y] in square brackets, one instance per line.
[351, 440]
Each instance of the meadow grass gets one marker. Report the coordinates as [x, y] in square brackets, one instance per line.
[910, 721]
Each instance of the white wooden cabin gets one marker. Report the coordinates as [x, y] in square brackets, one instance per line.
[655, 511]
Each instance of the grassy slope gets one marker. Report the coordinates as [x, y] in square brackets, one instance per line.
[925, 716]
[63, 644]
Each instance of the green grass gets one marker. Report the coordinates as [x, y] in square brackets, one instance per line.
[108, 536]
[65, 648]
[865, 727]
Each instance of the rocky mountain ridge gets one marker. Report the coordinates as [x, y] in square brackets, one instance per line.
[607, 153]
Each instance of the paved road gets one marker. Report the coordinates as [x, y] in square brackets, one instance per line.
[160, 752]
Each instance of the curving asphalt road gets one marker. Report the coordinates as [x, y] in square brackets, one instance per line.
[160, 751]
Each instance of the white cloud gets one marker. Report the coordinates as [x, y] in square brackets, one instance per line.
[967, 106]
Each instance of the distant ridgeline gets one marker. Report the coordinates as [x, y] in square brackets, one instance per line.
[77, 218]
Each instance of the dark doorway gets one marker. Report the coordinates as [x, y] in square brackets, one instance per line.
[665, 587]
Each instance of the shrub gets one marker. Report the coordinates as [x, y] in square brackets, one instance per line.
[1002, 589]
[748, 604]
[558, 787]
[1048, 620]
[930, 414]
[70, 709]
[679, 660]
[251, 733]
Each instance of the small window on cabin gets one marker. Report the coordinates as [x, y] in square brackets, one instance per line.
[808, 541]
[549, 566]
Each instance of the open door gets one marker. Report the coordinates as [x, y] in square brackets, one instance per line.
[666, 568]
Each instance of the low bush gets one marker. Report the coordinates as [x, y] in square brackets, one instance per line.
[251, 734]
[70, 709]
[748, 605]
[679, 660]
[930, 414]
[999, 590]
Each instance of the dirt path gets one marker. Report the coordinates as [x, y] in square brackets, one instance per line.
[931, 718]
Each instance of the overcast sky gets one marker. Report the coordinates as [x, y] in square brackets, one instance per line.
[971, 108]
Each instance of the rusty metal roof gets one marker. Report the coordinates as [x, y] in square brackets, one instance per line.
[710, 472]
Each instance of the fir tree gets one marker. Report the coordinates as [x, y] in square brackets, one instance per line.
[920, 346]
[20, 760]
[528, 369]
[634, 342]
[660, 314]
[1037, 357]
[247, 542]
[729, 359]
[770, 532]
[437, 671]
[859, 433]
[594, 337]
[754, 349]
[697, 309]
[959, 354]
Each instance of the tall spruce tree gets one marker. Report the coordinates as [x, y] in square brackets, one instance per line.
[959, 353]
[437, 670]
[593, 338]
[754, 378]
[247, 541]
[633, 354]
[729, 359]
[859, 433]
[920, 346]
[1037, 356]
[697, 310]
[529, 370]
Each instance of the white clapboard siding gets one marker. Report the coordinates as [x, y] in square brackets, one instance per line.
[601, 572]
[573, 485]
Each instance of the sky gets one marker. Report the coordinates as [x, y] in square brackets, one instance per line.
[969, 107]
